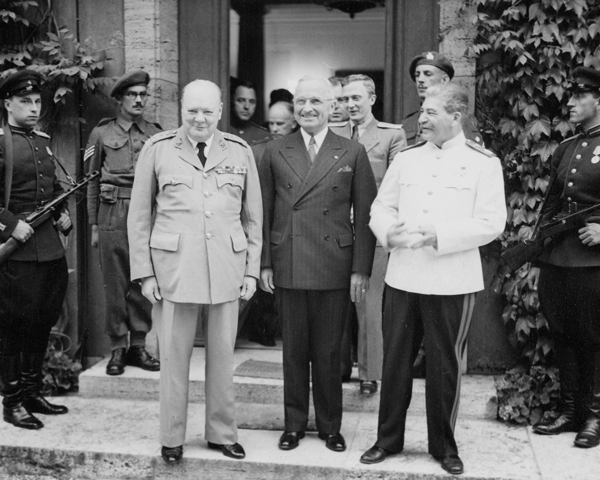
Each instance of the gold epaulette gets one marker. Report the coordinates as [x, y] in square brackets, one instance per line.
[337, 124]
[234, 138]
[41, 134]
[570, 138]
[389, 125]
[475, 146]
[162, 136]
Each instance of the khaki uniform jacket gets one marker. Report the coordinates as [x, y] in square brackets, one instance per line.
[196, 229]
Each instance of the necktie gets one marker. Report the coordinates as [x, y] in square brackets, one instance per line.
[312, 150]
[201, 156]
[355, 133]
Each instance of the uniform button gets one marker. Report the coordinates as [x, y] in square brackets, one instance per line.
[41, 175]
[425, 211]
[37, 149]
[295, 209]
[39, 162]
[206, 194]
[326, 238]
[569, 199]
[291, 235]
[335, 188]
[570, 184]
[207, 214]
[577, 156]
[434, 175]
[205, 175]
[584, 144]
[289, 185]
[325, 212]
[574, 170]
[429, 193]
[208, 236]
[41, 189]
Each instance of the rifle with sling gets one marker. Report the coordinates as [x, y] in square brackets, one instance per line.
[42, 214]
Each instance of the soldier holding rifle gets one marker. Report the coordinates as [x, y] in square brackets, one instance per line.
[569, 267]
[33, 281]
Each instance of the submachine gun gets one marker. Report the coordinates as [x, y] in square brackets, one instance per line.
[42, 214]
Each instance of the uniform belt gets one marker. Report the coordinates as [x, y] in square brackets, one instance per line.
[119, 192]
[574, 207]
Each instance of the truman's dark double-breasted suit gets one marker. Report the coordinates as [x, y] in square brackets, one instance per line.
[313, 247]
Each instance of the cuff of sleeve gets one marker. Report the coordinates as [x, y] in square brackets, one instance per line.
[8, 223]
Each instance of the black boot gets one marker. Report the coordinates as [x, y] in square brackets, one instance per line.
[31, 380]
[10, 386]
[570, 418]
[589, 435]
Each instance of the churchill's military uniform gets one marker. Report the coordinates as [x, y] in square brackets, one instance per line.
[33, 281]
[569, 282]
[113, 149]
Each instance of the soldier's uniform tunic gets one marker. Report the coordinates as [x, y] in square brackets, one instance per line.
[113, 149]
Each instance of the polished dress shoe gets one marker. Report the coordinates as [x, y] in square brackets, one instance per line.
[565, 422]
[452, 464]
[38, 404]
[19, 417]
[334, 441]
[233, 450]
[290, 440]
[589, 435]
[368, 387]
[171, 454]
[137, 356]
[116, 364]
[374, 454]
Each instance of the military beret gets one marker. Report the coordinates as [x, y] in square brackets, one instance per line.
[431, 58]
[21, 83]
[585, 80]
[137, 77]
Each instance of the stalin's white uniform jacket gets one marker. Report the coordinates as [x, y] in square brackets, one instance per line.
[459, 189]
[197, 229]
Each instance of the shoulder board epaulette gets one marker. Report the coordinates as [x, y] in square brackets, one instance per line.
[260, 126]
[41, 134]
[337, 124]
[234, 138]
[570, 138]
[475, 146]
[162, 136]
[104, 121]
[397, 126]
[416, 145]
[1, 131]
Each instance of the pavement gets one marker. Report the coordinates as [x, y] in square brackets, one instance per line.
[111, 432]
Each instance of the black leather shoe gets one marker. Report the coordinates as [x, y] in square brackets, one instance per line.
[374, 454]
[20, 417]
[116, 364]
[368, 387]
[290, 440]
[137, 356]
[334, 441]
[566, 422]
[452, 464]
[234, 450]
[38, 404]
[589, 436]
[172, 454]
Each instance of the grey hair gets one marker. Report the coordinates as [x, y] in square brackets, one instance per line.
[326, 85]
[201, 83]
[454, 97]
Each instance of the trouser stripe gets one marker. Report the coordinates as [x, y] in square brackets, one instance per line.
[459, 347]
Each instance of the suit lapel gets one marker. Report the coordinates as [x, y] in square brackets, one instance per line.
[218, 151]
[295, 154]
[369, 138]
[186, 151]
[329, 155]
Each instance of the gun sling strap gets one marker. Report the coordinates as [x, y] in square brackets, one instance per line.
[8, 163]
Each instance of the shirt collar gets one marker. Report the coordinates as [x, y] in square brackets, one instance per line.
[126, 124]
[592, 132]
[208, 142]
[319, 137]
[363, 126]
[460, 139]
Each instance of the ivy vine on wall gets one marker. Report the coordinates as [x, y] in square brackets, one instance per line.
[525, 53]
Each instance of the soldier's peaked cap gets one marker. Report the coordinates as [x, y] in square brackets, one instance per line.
[431, 58]
[21, 83]
[586, 79]
[130, 79]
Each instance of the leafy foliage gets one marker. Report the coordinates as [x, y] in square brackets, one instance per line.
[526, 50]
[528, 397]
[30, 37]
[60, 373]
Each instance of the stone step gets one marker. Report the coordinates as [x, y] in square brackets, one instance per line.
[117, 439]
[477, 392]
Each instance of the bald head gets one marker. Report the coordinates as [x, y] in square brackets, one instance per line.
[201, 109]
[313, 103]
[281, 118]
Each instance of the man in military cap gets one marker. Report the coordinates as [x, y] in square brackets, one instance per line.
[426, 70]
[569, 268]
[195, 236]
[33, 281]
[113, 149]
[382, 142]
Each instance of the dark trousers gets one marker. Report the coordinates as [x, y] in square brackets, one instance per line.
[31, 297]
[127, 310]
[312, 324]
[443, 322]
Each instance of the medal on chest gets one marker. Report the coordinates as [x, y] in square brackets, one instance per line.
[596, 157]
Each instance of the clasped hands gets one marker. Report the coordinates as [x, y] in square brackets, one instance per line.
[402, 235]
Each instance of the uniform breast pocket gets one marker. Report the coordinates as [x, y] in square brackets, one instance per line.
[231, 184]
[118, 157]
[175, 191]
